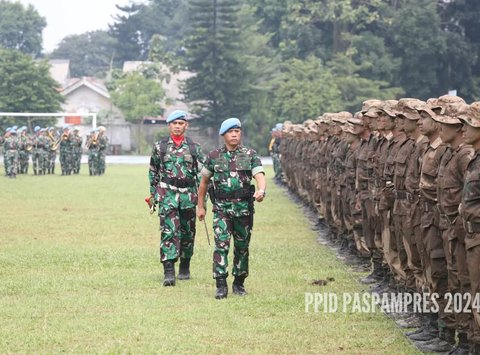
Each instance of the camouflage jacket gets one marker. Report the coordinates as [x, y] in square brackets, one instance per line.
[10, 143]
[232, 171]
[177, 164]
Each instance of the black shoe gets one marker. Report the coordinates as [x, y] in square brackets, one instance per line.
[222, 288]
[237, 287]
[462, 348]
[435, 345]
[425, 335]
[184, 269]
[169, 272]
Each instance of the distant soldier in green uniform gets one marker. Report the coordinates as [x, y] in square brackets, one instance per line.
[173, 185]
[102, 150]
[76, 150]
[231, 169]
[66, 163]
[10, 146]
[24, 145]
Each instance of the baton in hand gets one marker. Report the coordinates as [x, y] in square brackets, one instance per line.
[206, 231]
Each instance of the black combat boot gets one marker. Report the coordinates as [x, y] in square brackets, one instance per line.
[237, 287]
[441, 344]
[462, 347]
[222, 288]
[169, 272]
[376, 275]
[184, 269]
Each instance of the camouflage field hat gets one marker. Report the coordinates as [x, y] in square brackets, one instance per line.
[341, 117]
[355, 121]
[471, 115]
[371, 104]
[328, 118]
[447, 118]
[390, 107]
[349, 128]
[297, 128]
[408, 108]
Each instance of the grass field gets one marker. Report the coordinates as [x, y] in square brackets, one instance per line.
[79, 272]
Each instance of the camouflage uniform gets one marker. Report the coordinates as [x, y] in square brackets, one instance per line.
[232, 173]
[173, 183]
[66, 162]
[10, 146]
[102, 152]
[23, 153]
[76, 151]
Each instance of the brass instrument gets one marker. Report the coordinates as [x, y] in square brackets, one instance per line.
[93, 140]
[64, 137]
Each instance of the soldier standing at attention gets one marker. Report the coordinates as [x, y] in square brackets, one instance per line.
[232, 168]
[470, 214]
[173, 184]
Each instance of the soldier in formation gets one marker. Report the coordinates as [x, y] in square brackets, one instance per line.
[97, 143]
[42, 146]
[398, 185]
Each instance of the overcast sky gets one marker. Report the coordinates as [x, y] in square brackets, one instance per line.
[67, 17]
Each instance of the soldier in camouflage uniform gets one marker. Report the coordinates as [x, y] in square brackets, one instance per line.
[23, 153]
[173, 185]
[76, 150]
[231, 169]
[10, 146]
[51, 153]
[102, 150]
[66, 163]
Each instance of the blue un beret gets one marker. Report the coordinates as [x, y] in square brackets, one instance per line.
[229, 124]
[36, 129]
[177, 115]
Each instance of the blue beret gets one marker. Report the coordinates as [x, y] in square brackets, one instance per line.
[36, 129]
[43, 130]
[279, 126]
[229, 124]
[14, 127]
[8, 129]
[14, 131]
[177, 115]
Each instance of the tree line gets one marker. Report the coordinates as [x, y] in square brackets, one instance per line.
[266, 61]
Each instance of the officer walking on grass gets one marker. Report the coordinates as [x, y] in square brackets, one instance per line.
[231, 169]
[173, 185]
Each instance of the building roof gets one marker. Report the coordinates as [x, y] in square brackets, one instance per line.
[92, 83]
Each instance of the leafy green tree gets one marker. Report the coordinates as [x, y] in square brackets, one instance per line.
[418, 40]
[137, 96]
[26, 86]
[220, 87]
[90, 53]
[305, 90]
[138, 23]
[21, 27]
[354, 88]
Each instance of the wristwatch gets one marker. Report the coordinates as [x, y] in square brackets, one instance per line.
[263, 192]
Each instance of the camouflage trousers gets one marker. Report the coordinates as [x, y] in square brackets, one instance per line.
[178, 233]
[11, 162]
[225, 226]
[177, 223]
[23, 161]
[39, 161]
[66, 163]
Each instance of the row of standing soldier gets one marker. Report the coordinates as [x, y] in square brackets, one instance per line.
[42, 146]
[399, 183]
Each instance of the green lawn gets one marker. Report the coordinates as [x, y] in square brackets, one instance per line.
[79, 272]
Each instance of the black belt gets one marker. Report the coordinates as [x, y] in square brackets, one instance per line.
[181, 183]
[241, 194]
[472, 227]
[403, 195]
